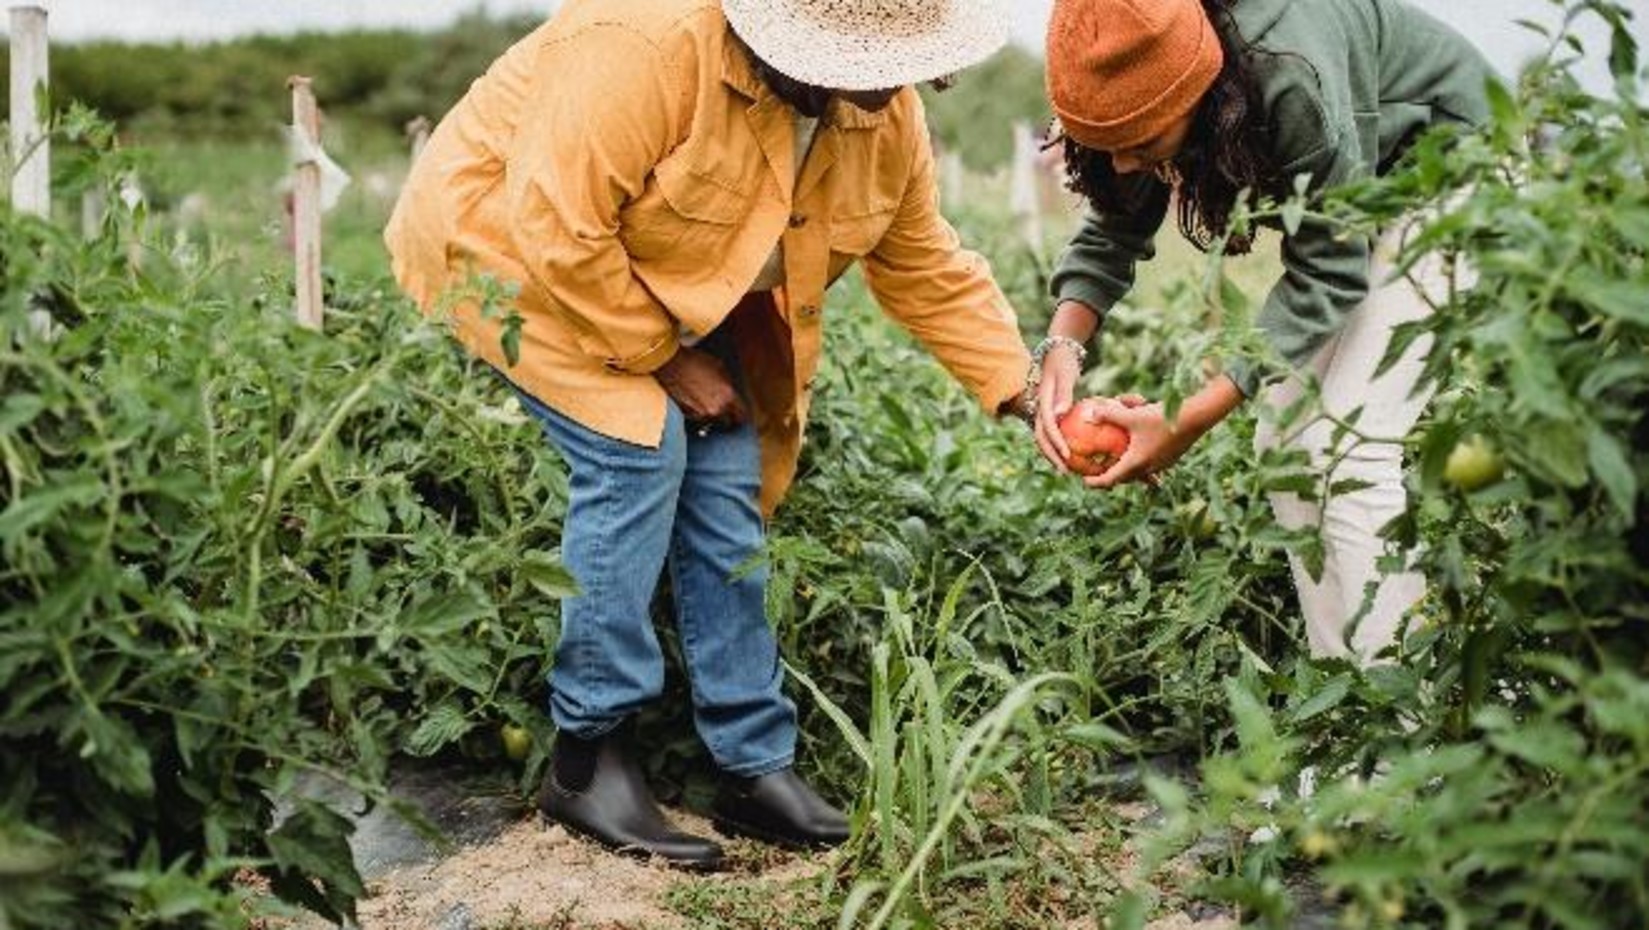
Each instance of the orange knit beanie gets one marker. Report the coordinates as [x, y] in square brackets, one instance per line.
[1121, 72]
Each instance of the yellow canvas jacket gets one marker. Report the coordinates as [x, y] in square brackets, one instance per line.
[625, 172]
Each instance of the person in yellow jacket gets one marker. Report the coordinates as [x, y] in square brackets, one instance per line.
[666, 188]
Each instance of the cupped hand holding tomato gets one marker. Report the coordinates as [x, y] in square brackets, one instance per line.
[1155, 444]
[1078, 438]
[1093, 443]
[1054, 398]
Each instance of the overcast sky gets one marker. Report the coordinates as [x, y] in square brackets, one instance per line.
[1487, 22]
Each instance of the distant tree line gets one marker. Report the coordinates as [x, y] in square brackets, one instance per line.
[387, 77]
[236, 87]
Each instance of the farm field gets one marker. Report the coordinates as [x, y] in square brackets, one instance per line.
[238, 557]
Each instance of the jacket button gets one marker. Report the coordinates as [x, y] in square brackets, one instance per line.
[809, 312]
[797, 221]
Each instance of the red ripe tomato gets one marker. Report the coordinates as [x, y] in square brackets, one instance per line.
[1095, 447]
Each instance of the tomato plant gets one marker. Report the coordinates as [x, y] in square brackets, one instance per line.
[234, 552]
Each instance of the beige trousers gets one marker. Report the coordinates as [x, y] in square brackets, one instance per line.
[1354, 610]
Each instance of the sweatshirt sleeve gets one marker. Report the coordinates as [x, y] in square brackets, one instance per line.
[1097, 267]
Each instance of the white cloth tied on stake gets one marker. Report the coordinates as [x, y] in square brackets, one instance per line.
[305, 151]
[131, 192]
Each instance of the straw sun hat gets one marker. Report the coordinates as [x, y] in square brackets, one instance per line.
[869, 44]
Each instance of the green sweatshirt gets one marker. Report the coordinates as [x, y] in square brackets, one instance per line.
[1347, 85]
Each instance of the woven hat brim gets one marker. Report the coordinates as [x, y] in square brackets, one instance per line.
[804, 50]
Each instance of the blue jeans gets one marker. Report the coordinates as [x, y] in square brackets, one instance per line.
[692, 503]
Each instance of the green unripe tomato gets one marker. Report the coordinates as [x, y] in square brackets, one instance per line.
[1198, 519]
[517, 741]
[1473, 464]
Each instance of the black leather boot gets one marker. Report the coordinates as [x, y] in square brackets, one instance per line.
[616, 808]
[778, 808]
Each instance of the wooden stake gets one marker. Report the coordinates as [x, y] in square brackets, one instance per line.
[418, 134]
[306, 202]
[131, 225]
[1025, 194]
[30, 147]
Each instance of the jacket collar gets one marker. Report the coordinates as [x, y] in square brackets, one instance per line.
[737, 71]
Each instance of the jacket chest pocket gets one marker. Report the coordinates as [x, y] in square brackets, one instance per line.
[870, 177]
[856, 233]
[683, 209]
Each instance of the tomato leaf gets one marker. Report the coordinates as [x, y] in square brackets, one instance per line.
[1608, 459]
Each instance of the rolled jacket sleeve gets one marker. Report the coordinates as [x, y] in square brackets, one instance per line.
[944, 295]
[602, 112]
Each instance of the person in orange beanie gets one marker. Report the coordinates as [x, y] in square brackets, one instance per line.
[1202, 103]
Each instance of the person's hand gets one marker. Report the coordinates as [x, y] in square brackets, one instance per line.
[699, 383]
[1054, 397]
[1154, 444]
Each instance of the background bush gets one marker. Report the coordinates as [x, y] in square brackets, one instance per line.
[379, 79]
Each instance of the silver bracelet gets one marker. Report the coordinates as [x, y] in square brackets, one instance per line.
[1052, 342]
[1033, 378]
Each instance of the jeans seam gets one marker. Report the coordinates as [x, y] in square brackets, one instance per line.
[688, 631]
[587, 650]
[766, 767]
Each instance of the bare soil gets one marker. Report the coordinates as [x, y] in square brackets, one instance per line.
[539, 877]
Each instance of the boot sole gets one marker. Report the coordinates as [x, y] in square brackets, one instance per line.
[640, 853]
[729, 827]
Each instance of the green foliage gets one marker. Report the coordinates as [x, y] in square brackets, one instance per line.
[976, 117]
[1495, 776]
[383, 78]
[941, 737]
[983, 643]
[233, 551]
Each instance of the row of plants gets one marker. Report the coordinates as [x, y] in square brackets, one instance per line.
[234, 554]
[387, 76]
[375, 81]
[1496, 775]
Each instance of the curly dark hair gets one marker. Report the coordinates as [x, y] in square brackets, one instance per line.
[1226, 154]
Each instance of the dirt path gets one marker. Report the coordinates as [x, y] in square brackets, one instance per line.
[511, 871]
[536, 876]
